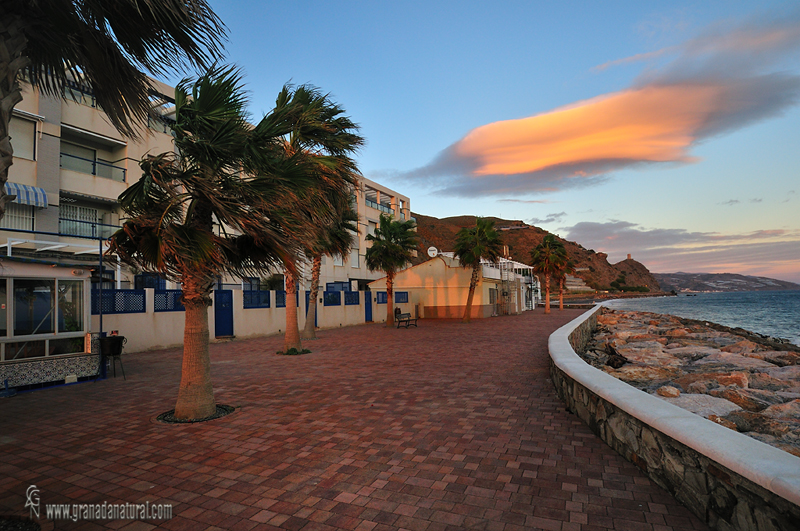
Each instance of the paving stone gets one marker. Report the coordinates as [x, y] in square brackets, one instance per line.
[440, 427]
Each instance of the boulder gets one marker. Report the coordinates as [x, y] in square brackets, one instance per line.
[735, 361]
[668, 391]
[677, 332]
[692, 353]
[741, 347]
[715, 379]
[722, 422]
[762, 380]
[792, 372]
[747, 421]
[789, 410]
[704, 405]
[749, 399]
[776, 357]
[644, 375]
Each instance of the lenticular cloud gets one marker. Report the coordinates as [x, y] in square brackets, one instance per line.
[715, 85]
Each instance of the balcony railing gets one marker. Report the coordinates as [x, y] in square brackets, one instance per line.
[92, 167]
[378, 206]
[85, 229]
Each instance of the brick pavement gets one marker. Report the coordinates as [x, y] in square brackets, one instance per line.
[446, 426]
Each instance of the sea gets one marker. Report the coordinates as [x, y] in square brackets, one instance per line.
[772, 313]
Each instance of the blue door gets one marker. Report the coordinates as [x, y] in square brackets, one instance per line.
[223, 313]
[368, 306]
[316, 314]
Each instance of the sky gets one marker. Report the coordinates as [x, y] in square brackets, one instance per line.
[665, 130]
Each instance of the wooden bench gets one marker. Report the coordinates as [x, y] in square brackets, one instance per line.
[406, 319]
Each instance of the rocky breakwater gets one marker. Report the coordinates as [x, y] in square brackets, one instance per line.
[741, 380]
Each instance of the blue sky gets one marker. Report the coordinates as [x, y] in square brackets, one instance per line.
[668, 130]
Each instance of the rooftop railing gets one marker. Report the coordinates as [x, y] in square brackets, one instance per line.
[378, 206]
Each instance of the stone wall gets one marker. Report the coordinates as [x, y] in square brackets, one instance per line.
[724, 498]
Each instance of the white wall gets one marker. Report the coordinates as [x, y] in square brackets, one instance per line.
[153, 330]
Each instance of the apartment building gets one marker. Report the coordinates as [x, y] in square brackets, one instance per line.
[350, 273]
[70, 165]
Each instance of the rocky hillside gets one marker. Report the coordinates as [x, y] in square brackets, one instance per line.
[720, 282]
[593, 267]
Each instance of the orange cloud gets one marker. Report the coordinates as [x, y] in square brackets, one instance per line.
[651, 124]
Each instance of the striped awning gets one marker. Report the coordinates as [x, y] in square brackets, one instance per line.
[27, 195]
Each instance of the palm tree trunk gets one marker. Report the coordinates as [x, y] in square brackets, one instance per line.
[309, 330]
[292, 337]
[547, 294]
[196, 394]
[561, 295]
[12, 60]
[389, 299]
[473, 282]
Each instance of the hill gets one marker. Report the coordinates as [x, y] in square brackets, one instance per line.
[593, 267]
[720, 282]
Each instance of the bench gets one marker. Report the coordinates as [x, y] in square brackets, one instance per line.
[406, 319]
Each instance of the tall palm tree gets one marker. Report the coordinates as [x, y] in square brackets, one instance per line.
[392, 246]
[547, 259]
[567, 268]
[215, 207]
[325, 137]
[472, 245]
[337, 240]
[106, 45]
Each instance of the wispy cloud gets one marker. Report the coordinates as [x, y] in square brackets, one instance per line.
[551, 218]
[730, 202]
[532, 201]
[756, 200]
[772, 253]
[718, 82]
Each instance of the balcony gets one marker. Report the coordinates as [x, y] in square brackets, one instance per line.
[85, 229]
[92, 167]
[378, 206]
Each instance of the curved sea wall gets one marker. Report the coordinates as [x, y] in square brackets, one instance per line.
[726, 478]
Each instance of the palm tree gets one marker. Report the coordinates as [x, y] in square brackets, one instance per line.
[336, 241]
[567, 267]
[325, 137]
[104, 44]
[391, 249]
[472, 245]
[547, 259]
[215, 207]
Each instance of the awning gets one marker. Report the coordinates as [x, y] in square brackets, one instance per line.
[27, 195]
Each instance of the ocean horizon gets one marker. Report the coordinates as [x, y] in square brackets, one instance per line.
[772, 313]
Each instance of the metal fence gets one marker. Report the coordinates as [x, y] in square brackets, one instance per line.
[168, 301]
[257, 298]
[119, 301]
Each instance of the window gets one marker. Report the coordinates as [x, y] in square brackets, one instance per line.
[19, 217]
[70, 305]
[34, 302]
[78, 220]
[23, 137]
[371, 228]
[78, 158]
[338, 260]
[354, 258]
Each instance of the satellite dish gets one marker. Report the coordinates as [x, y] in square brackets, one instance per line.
[433, 252]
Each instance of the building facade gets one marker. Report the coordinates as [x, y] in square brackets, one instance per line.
[70, 165]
